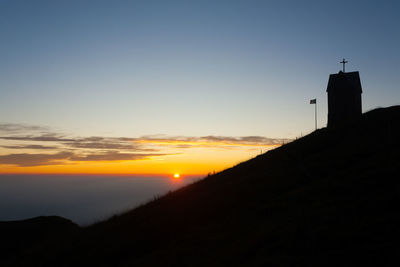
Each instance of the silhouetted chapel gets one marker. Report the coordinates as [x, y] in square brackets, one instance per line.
[344, 96]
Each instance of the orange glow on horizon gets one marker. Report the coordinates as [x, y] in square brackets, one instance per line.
[195, 161]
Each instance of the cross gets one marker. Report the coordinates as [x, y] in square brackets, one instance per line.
[344, 62]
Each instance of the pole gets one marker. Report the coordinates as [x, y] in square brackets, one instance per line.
[315, 114]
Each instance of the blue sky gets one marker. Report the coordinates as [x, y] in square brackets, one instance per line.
[190, 68]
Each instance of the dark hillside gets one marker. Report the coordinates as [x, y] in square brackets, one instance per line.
[18, 236]
[328, 199]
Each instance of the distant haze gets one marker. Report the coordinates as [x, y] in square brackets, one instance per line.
[82, 199]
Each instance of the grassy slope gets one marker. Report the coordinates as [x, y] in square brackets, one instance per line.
[330, 198]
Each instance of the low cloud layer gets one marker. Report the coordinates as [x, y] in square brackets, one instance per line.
[29, 160]
[62, 158]
[33, 139]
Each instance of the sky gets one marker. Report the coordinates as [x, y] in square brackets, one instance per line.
[190, 87]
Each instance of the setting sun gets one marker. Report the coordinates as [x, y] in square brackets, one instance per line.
[177, 176]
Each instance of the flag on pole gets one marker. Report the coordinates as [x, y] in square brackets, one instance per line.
[314, 101]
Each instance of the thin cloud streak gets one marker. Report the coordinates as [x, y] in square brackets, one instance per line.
[16, 128]
[254, 140]
[108, 144]
[62, 158]
[30, 147]
[114, 156]
[41, 138]
[209, 141]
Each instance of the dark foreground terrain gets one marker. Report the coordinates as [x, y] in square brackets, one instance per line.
[328, 199]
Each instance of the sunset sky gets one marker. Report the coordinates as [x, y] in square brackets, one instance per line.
[163, 87]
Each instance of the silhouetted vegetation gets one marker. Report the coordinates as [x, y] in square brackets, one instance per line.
[327, 199]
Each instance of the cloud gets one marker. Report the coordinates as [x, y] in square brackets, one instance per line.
[251, 140]
[107, 143]
[16, 128]
[94, 142]
[41, 138]
[30, 147]
[131, 144]
[61, 158]
[29, 160]
[102, 148]
[113, 156]
[101, 145]
[211, 141]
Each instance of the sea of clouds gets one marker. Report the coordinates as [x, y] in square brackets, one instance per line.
[82, 199]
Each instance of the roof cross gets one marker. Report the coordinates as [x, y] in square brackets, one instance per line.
[344, 63]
